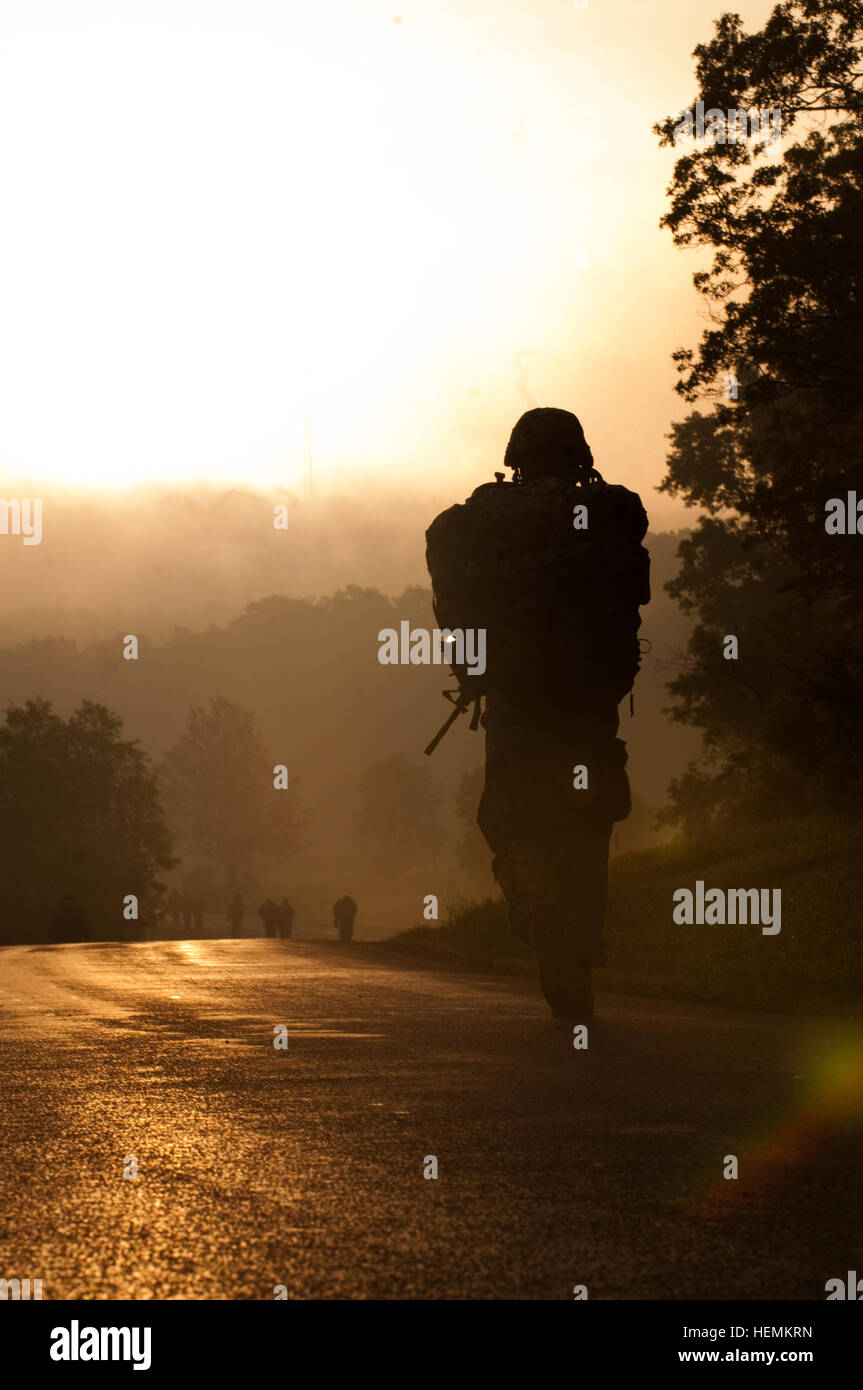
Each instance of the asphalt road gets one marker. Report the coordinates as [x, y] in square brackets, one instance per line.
[304, 1167]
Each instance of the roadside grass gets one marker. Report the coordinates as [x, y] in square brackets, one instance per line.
[815, 961]
[472, 930]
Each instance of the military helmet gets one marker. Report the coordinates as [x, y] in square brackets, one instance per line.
[547, 441]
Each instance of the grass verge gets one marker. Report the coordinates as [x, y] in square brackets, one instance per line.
[814, 962]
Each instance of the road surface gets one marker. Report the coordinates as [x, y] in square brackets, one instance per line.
[215, 926]
[303, 1168]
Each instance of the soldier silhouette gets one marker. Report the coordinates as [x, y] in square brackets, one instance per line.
[551, 565]
[269, 915]
[285, 919]
[236, 912]
[344, 912]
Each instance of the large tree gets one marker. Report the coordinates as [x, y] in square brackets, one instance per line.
[80, 820]
[221, 793]
[783, 225]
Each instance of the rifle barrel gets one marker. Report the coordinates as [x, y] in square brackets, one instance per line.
[459, 709]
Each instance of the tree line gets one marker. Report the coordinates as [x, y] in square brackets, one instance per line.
[90, 823]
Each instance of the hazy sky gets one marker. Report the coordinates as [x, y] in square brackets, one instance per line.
[403, 223]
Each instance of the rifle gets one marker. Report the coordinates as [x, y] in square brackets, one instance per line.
[462, 704]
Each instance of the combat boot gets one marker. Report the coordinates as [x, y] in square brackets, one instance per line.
[563, 976]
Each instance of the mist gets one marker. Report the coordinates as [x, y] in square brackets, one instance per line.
[285, 623]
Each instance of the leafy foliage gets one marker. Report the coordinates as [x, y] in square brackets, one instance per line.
[80, 815]
[783, 300]
[218, 780]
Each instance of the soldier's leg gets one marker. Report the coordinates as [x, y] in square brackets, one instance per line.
[573, 941]
[523, 867]
[517, 811]
[560, 911]
[582, 888]
[551, 838]
[569, 940]
[555, 879]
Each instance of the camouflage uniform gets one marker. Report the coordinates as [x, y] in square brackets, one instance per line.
[560, 609]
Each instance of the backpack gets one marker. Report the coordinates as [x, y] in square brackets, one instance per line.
[555, 572]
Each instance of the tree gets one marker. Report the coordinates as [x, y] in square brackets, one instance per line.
[783, 298]
[220, 792]
[397, 815]
[79, 815]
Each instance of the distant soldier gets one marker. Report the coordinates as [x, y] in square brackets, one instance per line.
[269, 915]
[174, 906]
[344, 912]
[551, 565]
[196, 905]
[285, 919]
[235, 914]
[186, 905]
[70, 922]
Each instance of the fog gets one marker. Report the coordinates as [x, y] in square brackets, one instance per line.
[285, 623]
[154, 558]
